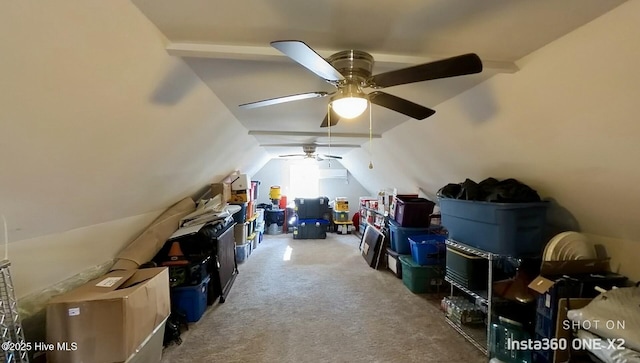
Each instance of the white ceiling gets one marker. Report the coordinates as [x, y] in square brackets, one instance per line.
[227, 44]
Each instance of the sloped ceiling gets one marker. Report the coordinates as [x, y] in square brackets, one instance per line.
[99, 124]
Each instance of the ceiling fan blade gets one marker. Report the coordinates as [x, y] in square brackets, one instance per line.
[334, 119]
[275, 101]
[401, 105]
[316, 144]
[308, 58]
[449, 67]
[326, 156]
[291, 155]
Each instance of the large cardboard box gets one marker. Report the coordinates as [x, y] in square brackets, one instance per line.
[240, 182]
[221, 188]
[108, 318]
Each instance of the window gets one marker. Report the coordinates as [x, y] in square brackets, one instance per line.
[304, 180]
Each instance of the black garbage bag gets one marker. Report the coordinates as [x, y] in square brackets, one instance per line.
[470, 190]
[491, 190]
[512, 191]
[449, 191]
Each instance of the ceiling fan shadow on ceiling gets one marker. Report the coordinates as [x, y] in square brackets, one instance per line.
[350, 72]
[309, 152]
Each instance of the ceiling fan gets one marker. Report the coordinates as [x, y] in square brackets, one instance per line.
[350, 72]
[310, 153]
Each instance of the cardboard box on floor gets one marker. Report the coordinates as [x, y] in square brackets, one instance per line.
[109, 317]
[564, 305]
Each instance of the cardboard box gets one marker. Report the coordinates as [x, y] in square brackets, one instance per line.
[221, 188]
[147, 244]
[239, 196]
[561, 355]
[240, 182]
[108, 318]
[549, 269]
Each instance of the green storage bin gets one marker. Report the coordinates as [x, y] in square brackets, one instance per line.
[421, 279]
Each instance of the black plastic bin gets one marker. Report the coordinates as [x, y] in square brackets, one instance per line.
[312, 208]
[311, 229]
[470, 271]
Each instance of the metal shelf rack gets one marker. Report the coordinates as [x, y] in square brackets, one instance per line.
[14, 349]
[484, 298]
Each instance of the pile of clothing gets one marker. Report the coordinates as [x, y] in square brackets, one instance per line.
[613, 317]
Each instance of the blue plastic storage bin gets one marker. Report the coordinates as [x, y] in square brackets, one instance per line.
[241, 215]
[512, 229]
[399, 236]
[428, 249]
[310, 229]
[242, 252]
[191, 300]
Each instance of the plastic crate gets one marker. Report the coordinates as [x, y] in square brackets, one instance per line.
[393, 263]
[240, 216]
[341, 216]
[242, 252]
[399, 236]
[191, 274]
[428, 249]
[190, 300]
[545, 326]
[542, 356]
[470, 271]
[502, 332]
[512, 229]
[575, 286]
[413, 212]
[421, 279]
[311, 229]
[312, 208]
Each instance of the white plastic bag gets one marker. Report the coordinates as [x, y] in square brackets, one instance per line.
[614, 314]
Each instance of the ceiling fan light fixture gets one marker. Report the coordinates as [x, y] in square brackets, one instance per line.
[350, 102]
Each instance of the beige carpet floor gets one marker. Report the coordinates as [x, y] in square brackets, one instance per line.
[322, 304]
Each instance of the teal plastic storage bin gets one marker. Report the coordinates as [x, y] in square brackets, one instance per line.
[512, 229]
[502, 332]
[399, 236]
[191, 300]
[421, 279]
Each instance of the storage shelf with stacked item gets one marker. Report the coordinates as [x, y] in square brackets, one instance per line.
[370, 216]
[479, 337]
[12, 334]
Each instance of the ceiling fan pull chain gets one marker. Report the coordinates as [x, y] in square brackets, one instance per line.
[370, 140]
[329, 119]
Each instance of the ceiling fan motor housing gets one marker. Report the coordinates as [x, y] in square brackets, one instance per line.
[355, 65]
[309, 149]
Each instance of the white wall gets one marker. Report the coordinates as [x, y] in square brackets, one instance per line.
[276, 172]
[101, 131]
[566, 124]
